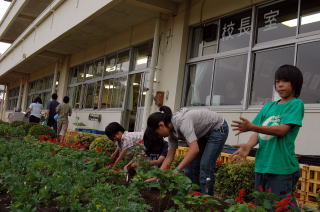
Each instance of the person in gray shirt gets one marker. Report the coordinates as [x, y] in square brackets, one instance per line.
[205, 132]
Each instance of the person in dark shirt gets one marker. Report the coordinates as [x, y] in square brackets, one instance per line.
[52, 105]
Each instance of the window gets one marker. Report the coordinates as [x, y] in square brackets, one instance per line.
[265, 65]
[41, 87]
[110, 65]
[199, 83]
[113, 92]
[74, 95]
[89, 70]
[229, 80]
[142, 56]
[89, 95]
[308, 61]
[235, 31]
[99, 67]
[123, 62]
[277, 21]
[310, 16]
[13, 96]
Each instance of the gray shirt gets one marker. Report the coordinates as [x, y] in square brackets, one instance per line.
[190, 125]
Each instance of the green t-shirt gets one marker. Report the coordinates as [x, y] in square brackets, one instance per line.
[276, 155]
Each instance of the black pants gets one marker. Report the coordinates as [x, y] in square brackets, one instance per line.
[52, 123]
[34, 119]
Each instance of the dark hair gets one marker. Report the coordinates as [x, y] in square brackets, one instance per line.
[54, 96]
[66, 99]
[37, 100]
[292, 74]
[153, 142]
[164, 115]
[112, 129]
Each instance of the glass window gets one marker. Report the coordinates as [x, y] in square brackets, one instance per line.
[123, 62]
[96, 96]
[74, 94]
[310, 16]
[118, 91]
[73, 75]
[235, 31]
[210, 34]
[89, 71]
[199, 83]
[196, 42]
[99, 67]
[266, 63]
[308, 60]
[80, 74]
[90, 92]
[110, 65]
[229, 80]
[107, 93]
[142, 56]
[277, 21]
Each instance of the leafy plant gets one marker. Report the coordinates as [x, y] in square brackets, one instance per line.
[17, 123]
[26, 126]
[104, 143]
[85, 139]
[8, 131]
[233, 177]
[38, 130]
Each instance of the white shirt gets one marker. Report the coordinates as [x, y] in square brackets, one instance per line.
[35, 109]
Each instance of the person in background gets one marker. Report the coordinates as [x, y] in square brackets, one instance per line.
[125, 140]
[35, 109]
[52, 106]
[64, 110]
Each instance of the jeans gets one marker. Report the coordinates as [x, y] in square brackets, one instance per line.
[203, 166]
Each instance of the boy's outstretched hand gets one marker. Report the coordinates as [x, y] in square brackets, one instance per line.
[242, 152]
[244, 125]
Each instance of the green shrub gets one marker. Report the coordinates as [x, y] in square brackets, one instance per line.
[27, 126]
[232, 177]
[104, 143]
[17, 123]
[7, 131]
[38, 130]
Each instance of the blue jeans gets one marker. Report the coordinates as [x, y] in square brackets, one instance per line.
[203, 166]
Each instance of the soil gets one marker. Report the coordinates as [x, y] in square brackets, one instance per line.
[152, 197]
[4, 201]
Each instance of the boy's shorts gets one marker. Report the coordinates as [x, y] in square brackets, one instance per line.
[282, 185]
[62, 127]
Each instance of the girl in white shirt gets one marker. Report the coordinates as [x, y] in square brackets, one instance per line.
[35, 109]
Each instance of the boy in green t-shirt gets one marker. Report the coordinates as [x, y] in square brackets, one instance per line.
[275, 130]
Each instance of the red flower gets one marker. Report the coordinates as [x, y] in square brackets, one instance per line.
[98, 149]
[140, 142]
[219, 163]
[85, 161]
[251, 205]
[283, 205]
[111, 164]
[269, 190]
[205, 200]
[240, 196]
[260, 188]
[196, 193]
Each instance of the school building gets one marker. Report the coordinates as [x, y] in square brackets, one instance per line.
[117, 59]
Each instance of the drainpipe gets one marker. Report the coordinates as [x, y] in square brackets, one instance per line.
[19, 97]
[3, 101]
[153, 64]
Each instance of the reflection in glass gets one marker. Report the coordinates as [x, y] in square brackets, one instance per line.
[229, 80]
[89, 71]
[235, 31]
[110, 65]
[98, 68]
[107, 93]
[308, 61]
[310, 16]
[266, 63]
[142, 56]
[199, 84]
[90, 88]
[123, 62]
[196, 42]
[277, 21]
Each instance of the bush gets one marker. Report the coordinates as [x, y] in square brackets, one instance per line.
[104, 143]
[85, 139]
[17, 123]
[38, 130]
[27, 126]
[7, 131]
[232, 177]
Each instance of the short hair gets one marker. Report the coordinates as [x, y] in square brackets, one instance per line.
[66, 99]
[292, 74]
[54, 96]
[112, 129]
[37, 100]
